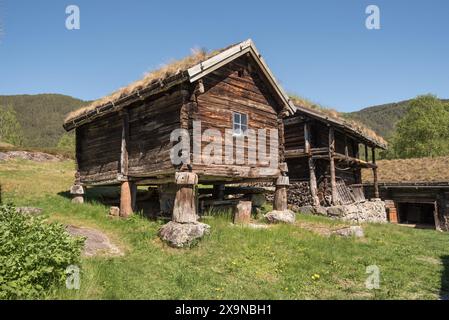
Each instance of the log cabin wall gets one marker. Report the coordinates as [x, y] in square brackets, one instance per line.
[236, 87]
[150, 126]
[298, 167]
[98, 146]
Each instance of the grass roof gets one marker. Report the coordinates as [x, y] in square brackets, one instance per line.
[334, 114]
[174, 67]
[411, 170]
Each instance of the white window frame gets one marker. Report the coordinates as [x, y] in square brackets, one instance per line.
[239, 124]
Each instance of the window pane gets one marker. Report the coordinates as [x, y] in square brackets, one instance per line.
[237, 117]
[244, 128]
[244, 119]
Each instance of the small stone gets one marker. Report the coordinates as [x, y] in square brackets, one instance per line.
[242, 212]
[179, 235]
[352, 231]
[29, 210]
[78, 200]
[336, 211]
[76, 190]
[286, 216]
[320, 211]
[114, 211]
[307, 210]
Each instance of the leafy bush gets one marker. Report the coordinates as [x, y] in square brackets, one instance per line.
[34, 254]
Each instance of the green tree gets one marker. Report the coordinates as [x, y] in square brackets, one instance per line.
[424, 130]
[10, 128]
[67, 141]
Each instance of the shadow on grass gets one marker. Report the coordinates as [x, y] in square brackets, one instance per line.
[444, 291]
[109, 196]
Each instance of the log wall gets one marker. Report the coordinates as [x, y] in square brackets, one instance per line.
[236, 87]
[98, 147]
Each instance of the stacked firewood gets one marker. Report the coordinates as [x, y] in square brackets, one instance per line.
[299, 194]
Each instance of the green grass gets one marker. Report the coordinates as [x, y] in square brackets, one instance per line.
[235, 262]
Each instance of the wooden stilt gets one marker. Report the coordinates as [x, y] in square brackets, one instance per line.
[376, 183]
[126, 209]
[185, 206]
[280, 195]
[366, 153]
[219, 191]
[312, 177]
[332, 166]
[133, 187]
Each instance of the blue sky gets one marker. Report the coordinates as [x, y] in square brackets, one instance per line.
[318, 49]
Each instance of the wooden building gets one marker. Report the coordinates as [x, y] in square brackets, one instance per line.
[323, 152]
[125, 139]
[416, 191]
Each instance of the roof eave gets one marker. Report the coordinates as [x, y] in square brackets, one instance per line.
[202, 69]
[341, 124]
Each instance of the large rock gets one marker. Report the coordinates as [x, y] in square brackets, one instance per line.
[96, 244]
[286, 216]
[179, 235]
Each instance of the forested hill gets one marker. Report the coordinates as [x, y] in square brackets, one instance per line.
[41, 116]
[382, 118]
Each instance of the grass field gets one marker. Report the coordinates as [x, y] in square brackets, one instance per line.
[234, 262]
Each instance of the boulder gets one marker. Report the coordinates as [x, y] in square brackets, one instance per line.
[96, 242]
[286, 216]
[352, 231]
[306, 210]
[179, 235]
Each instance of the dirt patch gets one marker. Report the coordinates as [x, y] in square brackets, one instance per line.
[97, 243]
[27, 155]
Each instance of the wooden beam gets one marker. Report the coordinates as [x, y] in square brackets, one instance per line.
[124, 147]
[366, 153]
[295, 153]
[376, 183]
[307, 144]
[312, 177]
[332, 166]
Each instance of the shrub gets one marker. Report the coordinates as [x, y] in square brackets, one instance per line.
[34, 254]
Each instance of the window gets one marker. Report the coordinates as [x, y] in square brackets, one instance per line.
[240, 124]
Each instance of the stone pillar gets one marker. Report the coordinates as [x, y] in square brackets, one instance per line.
[184, 208]
[77, 193]
[126, 208]
[242, 212]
